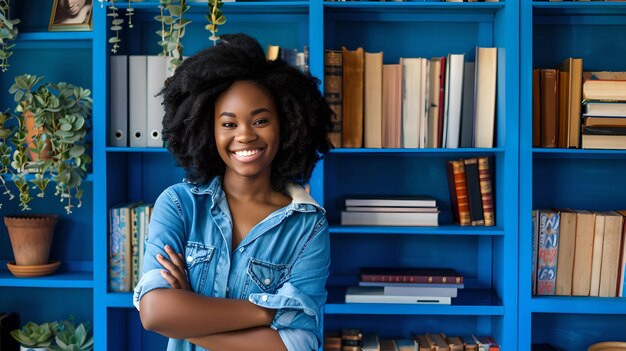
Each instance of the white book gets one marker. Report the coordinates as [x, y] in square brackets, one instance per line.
[156, 75]
[137, 100]
[118, 100]
[485, 96]
[605, 109]
[391, 209]
[390, 218]
[411, 75]
[454, 97]
[420, 291]
[390, 201]
[361, 294]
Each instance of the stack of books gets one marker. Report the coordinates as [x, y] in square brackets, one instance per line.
[391, 211]
[604, 118]
[405, 285]
[471, 194]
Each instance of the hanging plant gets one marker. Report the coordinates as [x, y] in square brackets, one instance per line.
[215, 18]
[172, 30]
[116, 23]
[8, 33]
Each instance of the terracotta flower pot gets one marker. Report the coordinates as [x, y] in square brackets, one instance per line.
[29, 122]
[31, 237]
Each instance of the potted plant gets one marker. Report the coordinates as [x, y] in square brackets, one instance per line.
[48, 141]
[34, 337]
[68, 337]
[8, 33]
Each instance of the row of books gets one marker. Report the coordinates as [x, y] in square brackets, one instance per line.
[559, 95]
[578, 252]
[405, 285]
[471, 191]
[391, 211]
[427, 0]
[128, 231]
[414, 103]
[356, 340]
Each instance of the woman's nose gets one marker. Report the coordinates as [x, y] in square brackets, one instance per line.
[246, 135]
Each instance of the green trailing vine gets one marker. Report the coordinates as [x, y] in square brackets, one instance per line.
[215, 18]
[116, 23]
[172, 30]
[8, 33]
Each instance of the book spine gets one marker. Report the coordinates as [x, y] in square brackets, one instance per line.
[460, 186]
[486, 192]
[352, 86]
[535, 224]
[333, 71]
[473, 191]
[547, 252]
[134, 237]
[394, 278]
[453, 195]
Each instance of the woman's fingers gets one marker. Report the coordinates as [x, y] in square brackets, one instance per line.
[175, 268]
[170, 279]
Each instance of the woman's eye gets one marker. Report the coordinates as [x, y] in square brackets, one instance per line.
[229, 125]
[261, 121]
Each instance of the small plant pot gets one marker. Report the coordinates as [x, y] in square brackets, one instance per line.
[31, 237]
[29, 121]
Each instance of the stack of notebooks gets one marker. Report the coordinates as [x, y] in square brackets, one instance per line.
[406, 285]
[391, 211]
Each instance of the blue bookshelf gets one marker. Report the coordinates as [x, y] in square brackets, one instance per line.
[566, 178]
[488, 257]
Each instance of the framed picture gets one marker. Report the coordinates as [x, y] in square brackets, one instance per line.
[71, 15]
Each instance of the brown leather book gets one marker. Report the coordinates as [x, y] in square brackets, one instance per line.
[425, 342]
[458, 192]
[454, 342]
[473, 191]
[486, 192]
[373, 96]
[563, 101]
[536, 108]
[392, 105]
[574, 69]
[440, 342]
[353, 86]
[549, 107]
[333, 76]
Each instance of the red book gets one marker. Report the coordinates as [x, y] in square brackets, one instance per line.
[486, 193]
[410, 275]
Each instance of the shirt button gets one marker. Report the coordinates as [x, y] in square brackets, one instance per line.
[241, 249]
[264, 298]
[189, 258]
[267, 281]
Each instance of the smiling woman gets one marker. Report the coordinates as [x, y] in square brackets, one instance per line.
[237, 256]
[71, 15]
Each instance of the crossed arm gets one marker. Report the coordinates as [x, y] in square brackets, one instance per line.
[179, 313]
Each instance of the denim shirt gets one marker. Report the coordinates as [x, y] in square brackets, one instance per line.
[281, 264]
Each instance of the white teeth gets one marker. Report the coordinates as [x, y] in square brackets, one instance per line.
[246, 152]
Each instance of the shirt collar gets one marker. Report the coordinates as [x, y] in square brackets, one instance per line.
[300, 199]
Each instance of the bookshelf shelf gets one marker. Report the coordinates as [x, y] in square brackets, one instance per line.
[54, 36]
[58, 280]
[123, 300]
[135, 149]
[440, 230]
[577, 153]
[578, 305]
[420, 152]
[475, 302]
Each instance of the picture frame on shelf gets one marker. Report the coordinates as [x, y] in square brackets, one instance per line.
[71, 15]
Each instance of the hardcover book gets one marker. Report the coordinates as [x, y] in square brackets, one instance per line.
[333, 72]
[567, 244]
[353, 85]
[390, 218]
[458, 192]
[362, 294]
[398, 201]
[549, 107]
[547, 252]
[486, 191]
[473, 191]
[410, 275]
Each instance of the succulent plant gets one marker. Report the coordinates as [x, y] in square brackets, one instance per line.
[35, 335]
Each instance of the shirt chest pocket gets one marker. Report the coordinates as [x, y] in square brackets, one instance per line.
[198, 259]
[265, 276]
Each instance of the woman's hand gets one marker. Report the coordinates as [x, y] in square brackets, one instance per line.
[174, 272]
